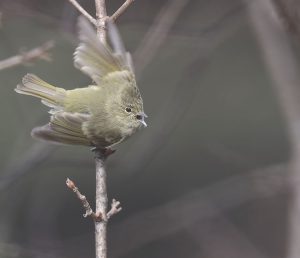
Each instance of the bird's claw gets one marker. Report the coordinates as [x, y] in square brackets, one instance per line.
[102, 152]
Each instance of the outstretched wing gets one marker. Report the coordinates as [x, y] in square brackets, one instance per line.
[65, 128]
[94, 58]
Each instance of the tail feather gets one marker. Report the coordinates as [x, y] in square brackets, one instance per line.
[34, 86]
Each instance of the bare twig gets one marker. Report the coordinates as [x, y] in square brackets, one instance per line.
[121, 10]
[101, 15]
[97, 216]
[40, 52]
[83, 11]
[88, 210]
[115, 208]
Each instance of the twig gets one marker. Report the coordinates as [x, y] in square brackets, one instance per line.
[40, 52]
[101, 216]
[97, 216]
[83, 11]
[121, 10]
[115, 208]
[88, 210]
[101, 15]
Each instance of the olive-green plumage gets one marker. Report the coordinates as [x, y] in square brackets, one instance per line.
[102, 114]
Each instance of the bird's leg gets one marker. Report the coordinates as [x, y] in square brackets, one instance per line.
[102, 152]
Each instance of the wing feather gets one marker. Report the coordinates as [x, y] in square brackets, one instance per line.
[65, 128]
[94, 58]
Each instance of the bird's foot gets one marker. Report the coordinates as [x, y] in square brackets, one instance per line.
[102, 152]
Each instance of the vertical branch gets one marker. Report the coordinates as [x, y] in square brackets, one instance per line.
[284, 71]
[101, 154]
[101, 206]
[101, 191]
[101, 16]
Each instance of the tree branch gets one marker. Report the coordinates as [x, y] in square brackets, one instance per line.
[83, 11]
[101, 17]
[101, 191]
[101, 206]
[100, 155]
[40, 52]
[121, 10]
[86, 205]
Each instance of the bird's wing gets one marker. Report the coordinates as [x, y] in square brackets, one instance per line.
[65, 128]
[94, 58]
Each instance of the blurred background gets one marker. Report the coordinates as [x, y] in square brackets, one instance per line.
[207, 178]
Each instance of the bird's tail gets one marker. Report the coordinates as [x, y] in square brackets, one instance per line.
[50, 95]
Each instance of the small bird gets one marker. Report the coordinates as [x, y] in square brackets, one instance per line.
[101, 115]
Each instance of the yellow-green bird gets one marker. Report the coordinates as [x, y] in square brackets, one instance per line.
[100, 115]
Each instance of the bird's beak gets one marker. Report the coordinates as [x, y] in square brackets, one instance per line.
[144, 123]
[141, 118]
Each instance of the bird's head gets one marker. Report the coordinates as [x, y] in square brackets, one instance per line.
[132, 105]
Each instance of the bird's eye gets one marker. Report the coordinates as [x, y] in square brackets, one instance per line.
[128, 109]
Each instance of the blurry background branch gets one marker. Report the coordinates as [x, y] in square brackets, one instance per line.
[157, 33]
[41, 52]
[196, 206]
[284, 70]
[10, 250]
[181, 96]
[217, 236]
[34, 156]
[289, 14]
